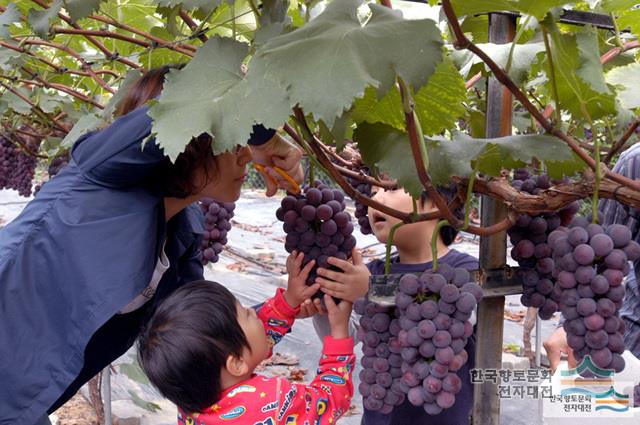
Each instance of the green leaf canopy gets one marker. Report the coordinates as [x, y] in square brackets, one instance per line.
[389, 150]
[330, 61]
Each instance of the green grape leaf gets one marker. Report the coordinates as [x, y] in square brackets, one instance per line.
[630, 19]
[15, 102]
[581, 87]
[627, 78]
[463, 7]
[40, 19]
[590, 66]
[79, 9]
[537, 8]
[524, 55]
[8, 58]
[204, 5]
[388, 110]
[389, 150]
[49, 103]
[87, 123]
[334, 58]
[10, 16]
[505, 152]
[617, 5]
[172, 19]
[212, 96]
[438, 104]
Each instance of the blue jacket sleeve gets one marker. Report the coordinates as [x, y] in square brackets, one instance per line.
[115, 156]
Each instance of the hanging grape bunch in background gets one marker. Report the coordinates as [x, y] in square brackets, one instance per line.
[531, 249]
[591, 263]
[217, 223]
[317, 224]
[18, 164]
[362, 211]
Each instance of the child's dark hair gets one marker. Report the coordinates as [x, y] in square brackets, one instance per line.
[187, 341]
[447, 233]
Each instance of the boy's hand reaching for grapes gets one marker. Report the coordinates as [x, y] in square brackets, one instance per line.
[349, 284]
[339, 315]
[297, 289]
[310, 308]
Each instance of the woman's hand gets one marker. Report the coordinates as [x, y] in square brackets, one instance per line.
[555, 345]
[297, 289]
[281, 153]
[349, 284]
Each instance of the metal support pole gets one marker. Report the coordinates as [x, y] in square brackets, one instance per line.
[538, 340]
[106, 394]
[486, 403]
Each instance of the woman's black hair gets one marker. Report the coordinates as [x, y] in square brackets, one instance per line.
[178, 179]
[447, 233]
[186, 343]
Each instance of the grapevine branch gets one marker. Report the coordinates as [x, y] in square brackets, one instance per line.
[62, 70]
[157, 40]
[116, 36]
[193, 26]
[462, 42]
[617, 147]
[83, 63]
[60, 87]
[36, 108]
[313, 143]
[553, 199]
[417, 147]
[98, 44]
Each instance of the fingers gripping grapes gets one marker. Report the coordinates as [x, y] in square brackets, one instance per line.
[349, 282]
[297, 290]
[317, 225]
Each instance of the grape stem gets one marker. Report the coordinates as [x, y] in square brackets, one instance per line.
[312, 174]
[434, 243]
[387, 258]
[419, 151]
[467, 202]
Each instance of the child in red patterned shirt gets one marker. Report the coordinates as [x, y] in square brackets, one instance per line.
[201, 347]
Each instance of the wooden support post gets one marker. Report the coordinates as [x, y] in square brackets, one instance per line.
[486, 404]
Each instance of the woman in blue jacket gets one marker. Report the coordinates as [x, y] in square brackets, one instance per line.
[112, 234]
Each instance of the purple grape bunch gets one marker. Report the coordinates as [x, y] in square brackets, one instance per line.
[531, 248]
[217, 223]
[316, 223]
[425, 336]
[381, 362]
[17, 166]
[362, 211]
[591, 263]
[55, 166]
